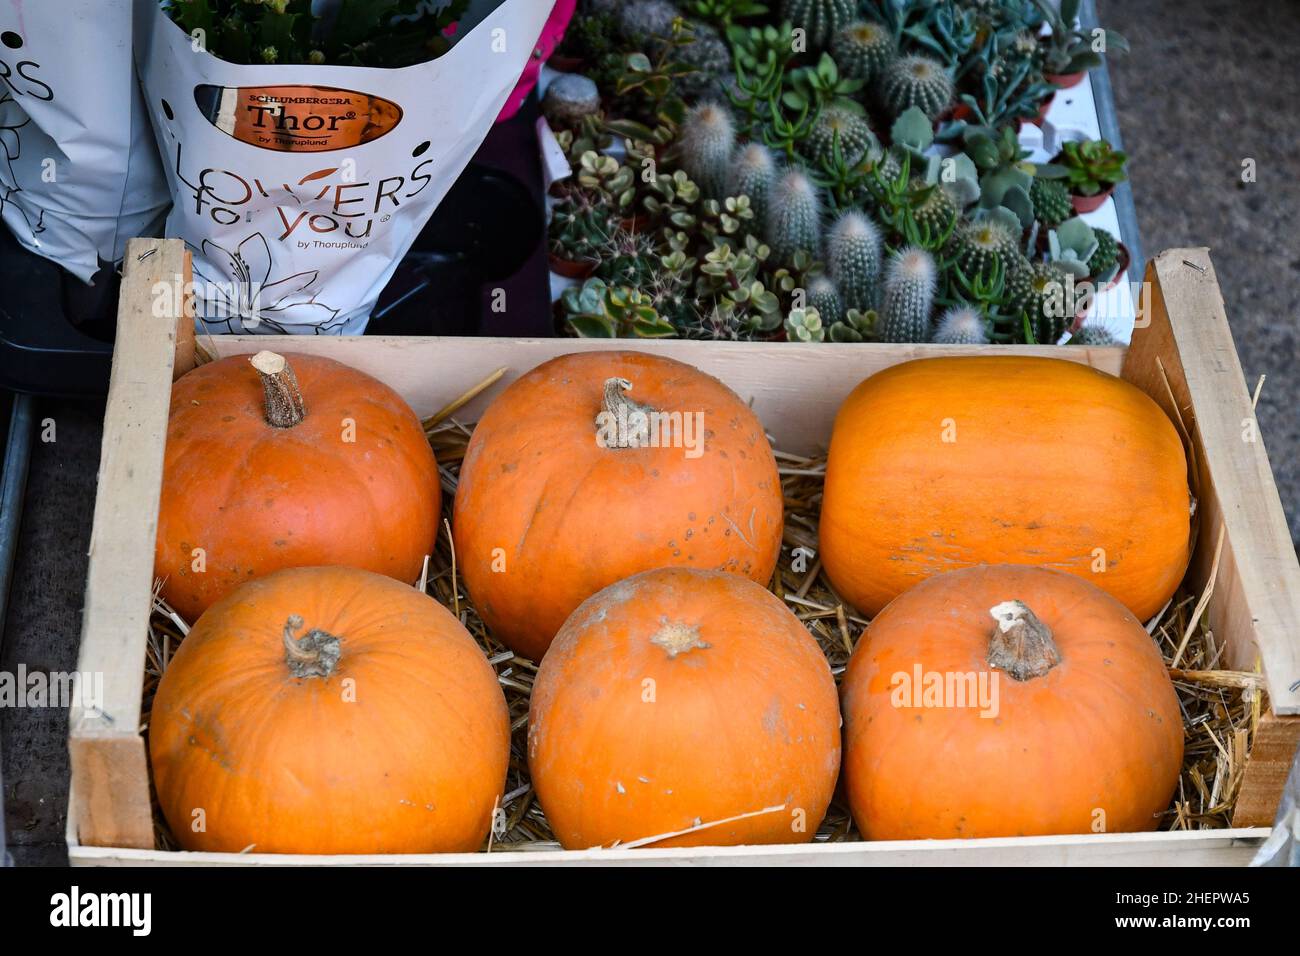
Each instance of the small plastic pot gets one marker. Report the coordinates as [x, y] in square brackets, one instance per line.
[1124, 260]
[570, 269]
[1084, 204]
[1063, 81]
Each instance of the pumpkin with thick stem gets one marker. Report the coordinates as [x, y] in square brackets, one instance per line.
[683, 700]
[595, 466]
[945, 463]
[288, 461]
[329, 710]
[1008, 701]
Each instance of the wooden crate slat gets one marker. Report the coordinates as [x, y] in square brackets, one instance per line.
[1183, 848]
[106, 749]
[1258, 581]
[795, 388]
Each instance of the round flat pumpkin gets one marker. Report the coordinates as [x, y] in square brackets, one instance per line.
[684, 700]
[301, 462]
[329, 710]
[1008, 701]
[945, 463]
[561, 493]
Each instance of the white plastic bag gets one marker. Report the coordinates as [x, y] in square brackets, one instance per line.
[79, 171]
[300, 188]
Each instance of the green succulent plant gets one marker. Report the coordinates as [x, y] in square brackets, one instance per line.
[1069, 49]
[1070, 246]
[607, 178]
[598, 310]
[1092, 166]
[804, 325]
[858, 326]
[724, 12]
[378, 33]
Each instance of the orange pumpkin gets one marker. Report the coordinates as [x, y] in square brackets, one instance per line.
[1008, 701]
[573, 481]
[329, 710]
[945, 463]
[275, 464]
[684, 700]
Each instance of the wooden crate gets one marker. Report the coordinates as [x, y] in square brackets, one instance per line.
[1182, 355]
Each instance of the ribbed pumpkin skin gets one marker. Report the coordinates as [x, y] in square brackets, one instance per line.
[1101, 730]
[565, 517]
[257, 498]
[626, 741]
[1051, 460]
[402, 750]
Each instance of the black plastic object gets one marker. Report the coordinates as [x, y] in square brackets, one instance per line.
[484, 231]
[42, 349]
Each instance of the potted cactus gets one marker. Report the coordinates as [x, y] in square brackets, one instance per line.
[579, 229]
[1068, 51]
[1092, 170]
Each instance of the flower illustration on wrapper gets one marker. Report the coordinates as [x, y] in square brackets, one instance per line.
[246, 299]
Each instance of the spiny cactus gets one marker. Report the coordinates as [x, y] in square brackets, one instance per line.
[642, 19]
[1050, 306]
[961, 325]
[862, 50]
[915, 81]
[569, 100]
[839, 124]
[794, 218]
[804, 325]
[1019, 282]
[853, 259]
[937, 209]
[909, 296]
[979, 245]
[709, 54]
[819, 19]
[1107, 255]
[753, 171]
[1092, 335]
[823, 296]
[890, 165]
[1051, 202]
[706, 143]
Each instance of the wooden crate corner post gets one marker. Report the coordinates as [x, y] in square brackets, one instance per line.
[155, 341]
[1184, 355]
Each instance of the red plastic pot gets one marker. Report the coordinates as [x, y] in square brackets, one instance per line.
[637, 223]
[570, 269]
[1064, 81]
[959, 112]
[1084, 204]
[1124, 260]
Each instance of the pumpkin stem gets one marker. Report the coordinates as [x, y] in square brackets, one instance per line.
[1021, 644]
[621, 422]
[283, 399]
[315, 654]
